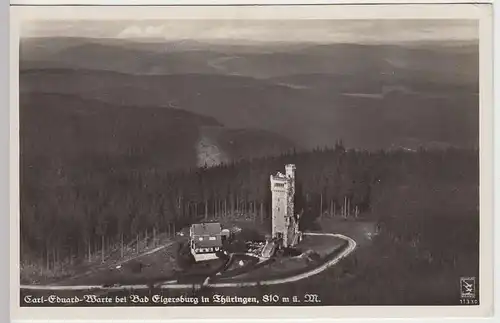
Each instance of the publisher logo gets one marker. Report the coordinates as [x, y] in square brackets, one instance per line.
[468, 287]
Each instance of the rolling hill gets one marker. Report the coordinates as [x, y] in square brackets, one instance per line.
[63, 132]
[69, 130]
[454, 62]
[308, 109]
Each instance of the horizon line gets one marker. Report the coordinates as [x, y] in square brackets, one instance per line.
[243, 41]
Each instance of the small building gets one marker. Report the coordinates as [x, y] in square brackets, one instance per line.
[205, 240]
[285, 223]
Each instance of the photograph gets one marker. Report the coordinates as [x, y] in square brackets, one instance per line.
[250, 162]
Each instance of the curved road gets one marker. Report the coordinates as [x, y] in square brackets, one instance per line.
[172, 285]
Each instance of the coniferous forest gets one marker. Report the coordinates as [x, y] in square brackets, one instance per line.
[78, 209]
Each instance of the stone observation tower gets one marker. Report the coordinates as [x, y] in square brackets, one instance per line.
[285, 224]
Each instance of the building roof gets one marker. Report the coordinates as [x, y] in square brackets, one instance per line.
[206, 229]
[206, 235]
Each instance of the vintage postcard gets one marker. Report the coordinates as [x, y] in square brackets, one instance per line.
[251, 162]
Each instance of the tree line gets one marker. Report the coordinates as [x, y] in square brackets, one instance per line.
[68, 212]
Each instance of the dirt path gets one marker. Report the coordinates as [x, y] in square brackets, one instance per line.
[172, 285]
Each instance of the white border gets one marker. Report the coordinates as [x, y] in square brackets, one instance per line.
[233, 2]
[435, 11]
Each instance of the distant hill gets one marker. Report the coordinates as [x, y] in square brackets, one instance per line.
[367, 112]
[439, 61]
[61, 132]
[71, 131]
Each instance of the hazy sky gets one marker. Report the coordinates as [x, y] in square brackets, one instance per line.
[262, 30]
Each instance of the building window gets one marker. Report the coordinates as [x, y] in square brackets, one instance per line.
[200, 238]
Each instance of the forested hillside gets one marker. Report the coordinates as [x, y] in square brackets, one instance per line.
[68, 133]
[80, 158]
[426, 209]
[78, 207]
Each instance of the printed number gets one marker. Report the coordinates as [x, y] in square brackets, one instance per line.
[311, 298]
[270, 298]
[468, 301]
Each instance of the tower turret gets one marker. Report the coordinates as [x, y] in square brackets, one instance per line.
[283, 220]
[290, 171]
